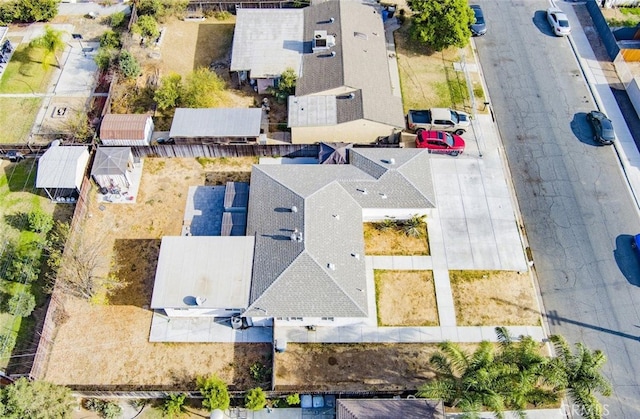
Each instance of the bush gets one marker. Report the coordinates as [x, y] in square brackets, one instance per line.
[117, 19]
[128, 65]
[147, 27]
[7, 342]
[40, 222]
[214, 392]
[255, 399]
[104, 58]
[174, 405]
[258, 372]
[293, 399]
[110, 39]
[22, 304]
[105, 408]
[35, 10]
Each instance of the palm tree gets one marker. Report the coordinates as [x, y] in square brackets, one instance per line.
[466, 381]
[582, 375]
[51, 42]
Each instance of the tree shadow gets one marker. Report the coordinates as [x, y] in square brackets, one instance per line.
[21, 176]
[135, 263]
[18, 220]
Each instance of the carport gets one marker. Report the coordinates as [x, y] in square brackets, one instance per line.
[60, 172]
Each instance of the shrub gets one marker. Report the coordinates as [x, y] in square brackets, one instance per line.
[174, 405]
[40, 222]
[105, 58]
[110, 39]
[258, 372]
[255, 399]
[117, 19]
[414, 226]
[147, 27]
[106, 409]
[35, 11]
[22, 304]
[293, 399]
[214, 392]
[128, 65]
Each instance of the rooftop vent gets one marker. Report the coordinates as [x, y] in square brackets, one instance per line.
[200, 301]
[331, 266]
[336, 216]
[296, 236]
[294, 209]
[383, 195]
[356, 255]
[322, 41]
[362, 190]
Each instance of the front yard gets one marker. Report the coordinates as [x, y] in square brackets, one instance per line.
[406, 298]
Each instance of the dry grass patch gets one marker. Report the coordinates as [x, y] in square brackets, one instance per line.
[488, 298]
[355, 367]
[90, 337]
[394, 241]
[428, 78]
[406, 298]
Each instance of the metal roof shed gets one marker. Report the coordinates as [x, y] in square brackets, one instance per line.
[111, 167]
[60, 172]
[217, 124]
[203, 275]
[126, 129]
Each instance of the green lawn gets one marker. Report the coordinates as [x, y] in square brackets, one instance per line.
[25, 72]
[17, 115]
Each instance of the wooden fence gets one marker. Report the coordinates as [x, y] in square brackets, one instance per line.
[225, 150]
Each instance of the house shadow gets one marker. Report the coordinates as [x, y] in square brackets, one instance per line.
[581, 129]
[207, 209]
[540, 21]
[627, 259]
[135, 263]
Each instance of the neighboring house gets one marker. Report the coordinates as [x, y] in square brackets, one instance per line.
[389, 408]
[60, 172]
[216, 125]
[112, 168]
[126, 129]
[304, 243]
[344, 90]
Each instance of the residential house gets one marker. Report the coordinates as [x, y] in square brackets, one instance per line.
[126, 129]
[344, 90]
[302, 259]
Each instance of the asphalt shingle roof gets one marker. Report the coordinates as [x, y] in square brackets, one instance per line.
[323, 275]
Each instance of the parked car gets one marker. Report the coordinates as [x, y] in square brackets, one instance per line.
[14, 156]
[440, 142]
[440, 119]
[602, 127]
[479, 27]
[559, 21]
[635, 244]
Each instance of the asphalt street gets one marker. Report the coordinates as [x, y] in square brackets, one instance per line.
[577, 212]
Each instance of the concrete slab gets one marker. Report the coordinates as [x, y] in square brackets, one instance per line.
[402, 263]
[421, 263]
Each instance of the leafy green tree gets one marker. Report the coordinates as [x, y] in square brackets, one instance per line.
[36, 400]
[110, 39]
[214, 391]
[441, 24]
[147, 27]
[285, 86]
[582, 375]
[51, 42]
[128, 65]
[7, 13]
[154, 8]
[22, 304]
[22, 262]
[167, 95]
[174, 405]
[35, 10]
[202, 89]
[117, 19]
[40, 222]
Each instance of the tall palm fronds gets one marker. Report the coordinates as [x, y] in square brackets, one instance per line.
[581, 375]
[51, 42]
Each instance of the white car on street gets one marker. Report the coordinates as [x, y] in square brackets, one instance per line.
[559, 21]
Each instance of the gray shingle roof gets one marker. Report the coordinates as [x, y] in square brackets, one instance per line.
[324, 274]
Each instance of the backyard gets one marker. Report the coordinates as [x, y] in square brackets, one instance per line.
[131, 241]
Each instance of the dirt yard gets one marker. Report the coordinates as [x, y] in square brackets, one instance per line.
[393, 241]
[107, 345]
[406, 298]
[489, 298]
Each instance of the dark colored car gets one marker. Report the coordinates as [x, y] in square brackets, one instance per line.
[479, 27]
[440, 142]
[15, 156]
[635, 244]
[602, 127]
